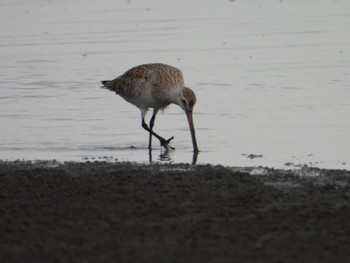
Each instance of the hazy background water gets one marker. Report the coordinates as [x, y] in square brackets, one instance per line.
[272, 79]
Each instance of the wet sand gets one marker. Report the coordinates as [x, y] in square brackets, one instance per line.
[126, 212]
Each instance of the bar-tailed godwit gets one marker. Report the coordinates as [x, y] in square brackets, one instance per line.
[155, 86]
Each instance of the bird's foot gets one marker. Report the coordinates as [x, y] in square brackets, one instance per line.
[165, 143]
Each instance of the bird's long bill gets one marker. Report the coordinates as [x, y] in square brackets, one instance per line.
[193, 133]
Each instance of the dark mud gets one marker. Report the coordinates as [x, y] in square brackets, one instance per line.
[123, 212]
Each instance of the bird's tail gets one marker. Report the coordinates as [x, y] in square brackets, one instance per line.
[106, 84]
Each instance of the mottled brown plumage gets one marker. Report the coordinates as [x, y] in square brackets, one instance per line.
[155, 86]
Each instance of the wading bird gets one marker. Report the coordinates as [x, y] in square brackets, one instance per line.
[155, 86]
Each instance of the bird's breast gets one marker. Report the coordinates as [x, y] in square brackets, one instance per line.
[144, 99]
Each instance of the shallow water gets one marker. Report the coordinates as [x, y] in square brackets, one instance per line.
[272, 80]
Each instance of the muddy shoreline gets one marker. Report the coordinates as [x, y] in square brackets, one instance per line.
[126, 212]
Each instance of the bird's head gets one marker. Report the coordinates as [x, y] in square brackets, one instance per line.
[187, 99]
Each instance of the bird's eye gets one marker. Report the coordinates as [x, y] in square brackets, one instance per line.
[184, 102]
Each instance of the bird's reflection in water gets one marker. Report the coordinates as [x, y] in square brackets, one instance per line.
[194, 158]
[165, 156]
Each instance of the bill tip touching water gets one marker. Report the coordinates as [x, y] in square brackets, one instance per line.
[155, 86]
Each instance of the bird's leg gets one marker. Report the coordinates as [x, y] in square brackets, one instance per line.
[163, 142]
[151, 125]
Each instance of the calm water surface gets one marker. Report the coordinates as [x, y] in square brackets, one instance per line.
[272, 80]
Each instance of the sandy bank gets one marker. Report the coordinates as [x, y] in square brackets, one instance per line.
[124, 212]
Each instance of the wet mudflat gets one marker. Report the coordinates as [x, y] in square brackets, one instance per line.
[126, 212]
